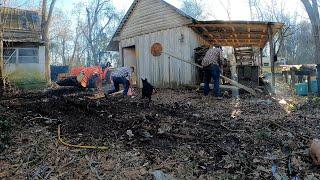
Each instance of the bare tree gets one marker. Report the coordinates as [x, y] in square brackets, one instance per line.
[61, 35]
[193, 8]
[313, 13]
[45, 24]
[75, 45]
[312, 9]
[2, 80]
[255, 9]
[226, 7]
[99, 15]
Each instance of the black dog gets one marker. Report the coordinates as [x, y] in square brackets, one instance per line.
[147, 89]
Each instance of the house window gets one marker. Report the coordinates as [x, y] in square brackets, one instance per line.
[28, 55]
[10, 56]
[21, 55]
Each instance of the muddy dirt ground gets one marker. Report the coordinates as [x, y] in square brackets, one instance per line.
[181, 133]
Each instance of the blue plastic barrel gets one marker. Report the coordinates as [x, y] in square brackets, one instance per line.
[314, 86]
[301, 89]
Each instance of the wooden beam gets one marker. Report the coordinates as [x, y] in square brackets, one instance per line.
[271, 55]
[189, 62]
[309, 85]
[228, 33]
[244, 52]
[240, 39]
[261, 60]
[255, 44]
[225, 26]
[235, 83]
[207, 32]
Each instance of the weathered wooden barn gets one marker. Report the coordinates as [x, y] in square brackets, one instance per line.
[150, 22]
[155, 21]
[23, 51]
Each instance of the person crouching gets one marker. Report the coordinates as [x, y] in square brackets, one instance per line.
[122, 76]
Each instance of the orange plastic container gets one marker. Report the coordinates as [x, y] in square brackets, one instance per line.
[84, 73]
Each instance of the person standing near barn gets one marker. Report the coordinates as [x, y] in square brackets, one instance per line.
[212, 62]
[122, 76]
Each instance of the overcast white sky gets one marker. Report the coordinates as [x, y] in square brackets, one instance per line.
[215, 9]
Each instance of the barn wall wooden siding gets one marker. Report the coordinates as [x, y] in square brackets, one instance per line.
[156, 69]
[152, 16]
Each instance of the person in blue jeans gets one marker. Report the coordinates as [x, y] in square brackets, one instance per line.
[213, 71]
[121, 76]
[211, 63]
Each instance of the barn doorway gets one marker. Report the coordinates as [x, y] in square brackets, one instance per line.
[130, 59]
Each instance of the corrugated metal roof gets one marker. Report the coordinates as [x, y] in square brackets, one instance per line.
[20, 24]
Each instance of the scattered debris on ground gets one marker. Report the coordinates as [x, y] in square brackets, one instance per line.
[179, 134]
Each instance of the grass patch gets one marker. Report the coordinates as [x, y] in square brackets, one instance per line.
[28, 80]
[35, 84]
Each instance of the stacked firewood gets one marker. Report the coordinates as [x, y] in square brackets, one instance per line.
[200, 52]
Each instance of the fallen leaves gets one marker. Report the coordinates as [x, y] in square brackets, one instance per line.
[188, 137]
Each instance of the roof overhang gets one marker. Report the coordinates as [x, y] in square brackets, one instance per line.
[236, 33]
[113, 45]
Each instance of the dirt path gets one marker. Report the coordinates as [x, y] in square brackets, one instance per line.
[181, 133]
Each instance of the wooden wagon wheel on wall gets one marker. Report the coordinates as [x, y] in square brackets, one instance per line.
[156, 49]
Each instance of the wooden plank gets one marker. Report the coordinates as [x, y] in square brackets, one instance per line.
[228, 33]
[145, 19]
[156, 68]
[271, 45]
[175, 57]
[261, 60]
[231, 26]
[250, 90]
[309, 85]
[293, 78]
[146, 29]
[235, 83]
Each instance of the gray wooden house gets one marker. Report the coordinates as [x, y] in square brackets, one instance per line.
[155, 21]
[24, 56]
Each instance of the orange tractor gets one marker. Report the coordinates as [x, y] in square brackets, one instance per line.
[85, 77]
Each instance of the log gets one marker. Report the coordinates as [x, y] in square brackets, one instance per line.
[309, 86]
[116, 93]
[189, 62]
[235, 83]
[222, 87]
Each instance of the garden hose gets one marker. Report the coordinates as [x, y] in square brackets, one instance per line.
[78, 146]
